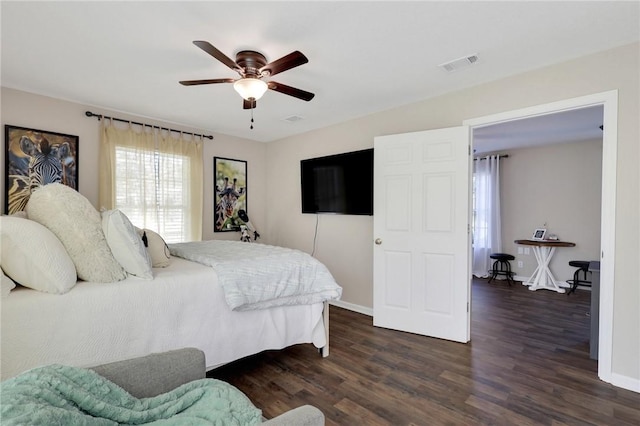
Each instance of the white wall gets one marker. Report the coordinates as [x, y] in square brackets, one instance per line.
[347, 241]
[557, 185]
[343, 241]
[40, 112]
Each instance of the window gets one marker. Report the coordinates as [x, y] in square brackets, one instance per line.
[152, 188]
[486, 224]
[154, 179]
[481, 210]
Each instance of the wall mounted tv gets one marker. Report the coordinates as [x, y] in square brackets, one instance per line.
[341, 183]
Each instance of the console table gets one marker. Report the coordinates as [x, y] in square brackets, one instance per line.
[542, 277]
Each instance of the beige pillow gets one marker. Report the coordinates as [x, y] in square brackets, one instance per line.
[32, 256]
[158, 250]
[126, 245]
[78, 226]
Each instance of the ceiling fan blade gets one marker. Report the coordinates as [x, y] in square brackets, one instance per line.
[208, 47]
[248, 104]
[291, 91]
[211, 81]
[292, 60]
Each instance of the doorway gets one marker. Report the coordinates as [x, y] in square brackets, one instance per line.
[608, 100]
[550, 178]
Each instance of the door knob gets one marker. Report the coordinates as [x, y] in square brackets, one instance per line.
[378, 241]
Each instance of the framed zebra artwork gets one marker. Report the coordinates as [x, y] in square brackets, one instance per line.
[34, 158]
[230, 193]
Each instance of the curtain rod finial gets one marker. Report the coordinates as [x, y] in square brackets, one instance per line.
[91, 114]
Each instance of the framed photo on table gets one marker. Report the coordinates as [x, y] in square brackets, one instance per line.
[538, 234]
[34, 158]
[230, 193]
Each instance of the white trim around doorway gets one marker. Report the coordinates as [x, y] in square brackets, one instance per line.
[609, 101]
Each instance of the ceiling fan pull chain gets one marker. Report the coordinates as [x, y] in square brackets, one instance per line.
[251, 127]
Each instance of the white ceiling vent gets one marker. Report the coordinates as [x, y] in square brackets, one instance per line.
[459, 63]
[293, 118]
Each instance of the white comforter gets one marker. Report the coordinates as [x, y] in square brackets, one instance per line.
[260, 276]
[183, 306]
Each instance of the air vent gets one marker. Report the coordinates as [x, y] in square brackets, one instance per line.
[459, 63]
[293, 118]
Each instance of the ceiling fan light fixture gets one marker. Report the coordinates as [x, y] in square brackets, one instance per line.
[250, 88]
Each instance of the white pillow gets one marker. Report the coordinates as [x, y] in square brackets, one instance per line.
[34, 257]
[78, 226]
[126, 245]
[157, 248]
[7, 285]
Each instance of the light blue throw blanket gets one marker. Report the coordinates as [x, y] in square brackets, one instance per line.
[260, 276]
[70, 396]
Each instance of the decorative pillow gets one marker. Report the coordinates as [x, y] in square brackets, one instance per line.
[21, 214]
[7, 285]
[126, 245]
[158, 250]
[34, 257]
[78, 226]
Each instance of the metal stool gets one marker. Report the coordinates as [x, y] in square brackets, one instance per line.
[583, 266]
[501, 266]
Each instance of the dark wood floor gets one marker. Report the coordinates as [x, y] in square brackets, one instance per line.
[527, 364]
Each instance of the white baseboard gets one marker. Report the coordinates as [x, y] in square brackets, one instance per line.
[562, 284]
[624, 382]
[352, 307]
[522, 278]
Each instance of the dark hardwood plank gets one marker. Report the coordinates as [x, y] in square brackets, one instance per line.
[527, 364]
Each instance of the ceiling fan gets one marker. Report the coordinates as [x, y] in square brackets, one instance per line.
[254, 69]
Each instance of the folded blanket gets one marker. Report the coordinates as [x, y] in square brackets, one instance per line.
[260, 276]
[70, 396]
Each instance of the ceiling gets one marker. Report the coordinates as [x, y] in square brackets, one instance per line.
[577, 125]
[364, 57]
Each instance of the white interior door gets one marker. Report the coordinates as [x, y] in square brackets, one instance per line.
[421, 252]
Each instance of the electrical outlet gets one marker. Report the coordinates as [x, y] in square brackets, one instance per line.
[520, 264]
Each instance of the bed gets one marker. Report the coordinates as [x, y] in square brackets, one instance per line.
[185, 304]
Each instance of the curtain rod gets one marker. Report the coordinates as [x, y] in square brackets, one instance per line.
[484, 158]
[100, 117]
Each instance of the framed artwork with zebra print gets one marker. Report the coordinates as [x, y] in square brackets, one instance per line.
[230, 190]
[34, 158]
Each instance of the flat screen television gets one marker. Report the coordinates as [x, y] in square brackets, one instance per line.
[341, 184]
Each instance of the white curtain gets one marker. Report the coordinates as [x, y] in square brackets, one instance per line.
[487, 237]
[154, 178]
